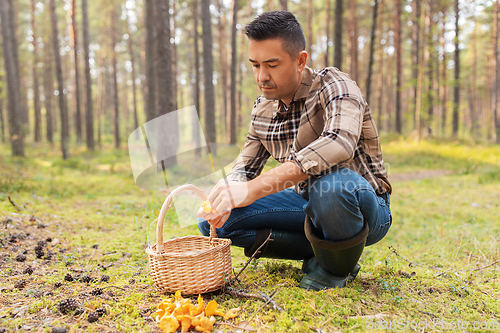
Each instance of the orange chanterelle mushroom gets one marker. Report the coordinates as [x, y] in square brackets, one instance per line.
[180, 312]
[207, 208]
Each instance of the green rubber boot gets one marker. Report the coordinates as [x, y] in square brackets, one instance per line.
[309, 264]
[283, 244]
[337, 261]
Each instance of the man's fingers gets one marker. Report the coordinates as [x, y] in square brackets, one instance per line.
[216, 222]
[219, 220]
[201, 213]
[225, 217]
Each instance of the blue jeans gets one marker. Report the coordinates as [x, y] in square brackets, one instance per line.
[337, 203]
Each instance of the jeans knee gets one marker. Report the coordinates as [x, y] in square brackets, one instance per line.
[326, 189]
[204, 227]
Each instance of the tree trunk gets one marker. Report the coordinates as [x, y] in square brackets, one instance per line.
[223, 61]
[124, 116]
[389, 78]
[473, 110]
[309, 32]
[23, 100]
[89, 117]
[78, 120]
[327, 31]
[284, 4]
[115, 79]
[2, 119]
[150, 6]
[494, 94]
[241, 56]
[142, 68]
[337, 48]
[372, 45]
[62, 100]
[444, 77]
[48, 90]
[210, 131]
[380, 75]
[352, 41]
[415, 54]
[132, 64]
[456, 83]
[174, 59]
[36, 88]
[399, 69]
[197, 138]
[168, 137]
[429, 60]
[234, 60]
[100, 93]
[270, 6]
[420, 83]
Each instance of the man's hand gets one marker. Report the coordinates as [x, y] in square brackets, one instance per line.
[225, 196]
[214, 218]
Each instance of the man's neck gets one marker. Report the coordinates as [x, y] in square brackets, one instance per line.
[287, 102]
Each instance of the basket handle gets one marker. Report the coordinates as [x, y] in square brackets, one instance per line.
[163, 211]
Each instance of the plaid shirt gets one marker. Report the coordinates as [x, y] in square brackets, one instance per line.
[328, 125]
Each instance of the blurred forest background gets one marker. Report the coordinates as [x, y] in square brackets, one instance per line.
[79, 73]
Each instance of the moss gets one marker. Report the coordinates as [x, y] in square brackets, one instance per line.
[434, 262]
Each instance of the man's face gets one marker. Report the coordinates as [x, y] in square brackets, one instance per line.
[277, 75]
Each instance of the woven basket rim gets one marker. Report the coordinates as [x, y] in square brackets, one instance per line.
[222, 243]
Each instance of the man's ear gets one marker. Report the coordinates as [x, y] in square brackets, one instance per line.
[301, 60]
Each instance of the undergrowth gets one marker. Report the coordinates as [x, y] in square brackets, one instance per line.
[438, 265]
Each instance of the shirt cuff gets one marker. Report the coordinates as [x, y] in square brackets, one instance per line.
[237, 177]
[306, 165]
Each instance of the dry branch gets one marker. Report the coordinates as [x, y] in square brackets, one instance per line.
[263, 305]
[14, 204]
[481, 268]
[253, 256]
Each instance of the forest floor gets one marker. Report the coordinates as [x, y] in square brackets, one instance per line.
[436, 270]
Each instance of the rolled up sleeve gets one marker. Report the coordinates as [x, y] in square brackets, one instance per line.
[343, 108]
[252, 159]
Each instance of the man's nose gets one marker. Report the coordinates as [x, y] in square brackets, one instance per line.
[263, 75]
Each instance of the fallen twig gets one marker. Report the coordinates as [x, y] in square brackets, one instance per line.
[78, 270]
[93, 252]
[261, 296]
[263, 305]
[239, 293]
[104, 267]
[253, 256]
[317, 330]
[481, 268]
[393, 250]
[488, 280]
[428, 313]
[14, 204]
[245, 328]
[113, 287]
[270, 300]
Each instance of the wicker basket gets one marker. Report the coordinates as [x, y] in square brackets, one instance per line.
[191, 264]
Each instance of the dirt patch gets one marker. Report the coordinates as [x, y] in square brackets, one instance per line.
[424, 174]
[47, 283]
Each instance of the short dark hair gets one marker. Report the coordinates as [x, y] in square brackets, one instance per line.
[278, 25]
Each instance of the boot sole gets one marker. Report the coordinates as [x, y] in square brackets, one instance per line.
[320, 279]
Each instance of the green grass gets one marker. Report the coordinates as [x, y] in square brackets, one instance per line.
[410, 156]
[433, 266]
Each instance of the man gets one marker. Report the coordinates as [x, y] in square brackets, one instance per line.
[319, 127]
